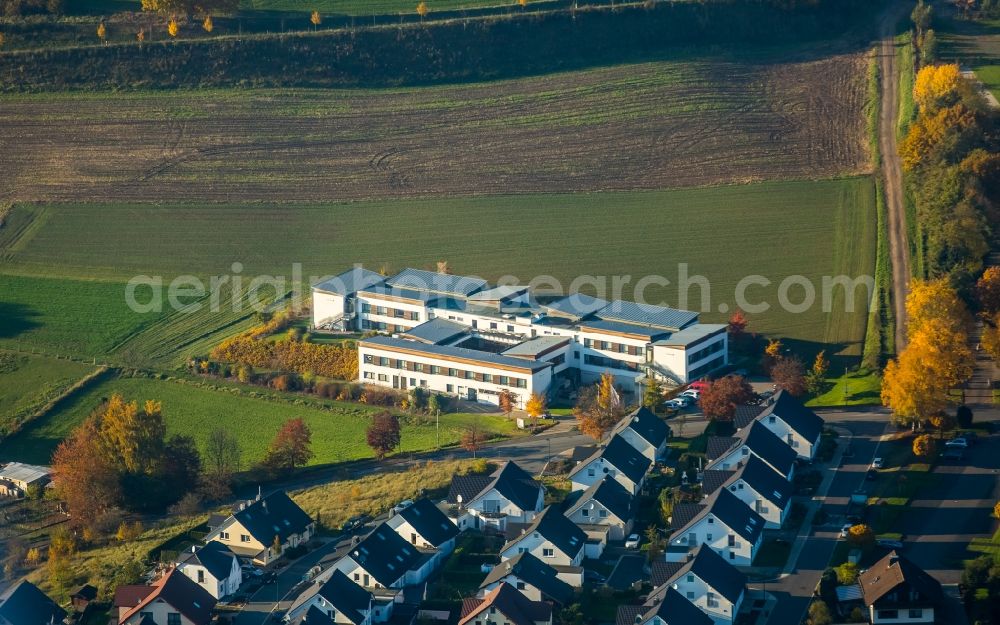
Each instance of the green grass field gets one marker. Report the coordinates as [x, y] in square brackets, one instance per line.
[974, 44]
[28, 382]
[338, 428]
[648, 233]
[367, 7]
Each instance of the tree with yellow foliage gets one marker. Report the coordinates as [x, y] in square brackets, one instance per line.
[102, 32]
[989, 340]
[536, 406]
[861, 535]
[422, 9]
[996, 510]
[523, 3]
[924, 446]
[599, 407]
[988, 290]
[934, 300]
[316, 19]
[207, 25]
[140, 36]
[936, 86]
[173, 28]
[930, 131]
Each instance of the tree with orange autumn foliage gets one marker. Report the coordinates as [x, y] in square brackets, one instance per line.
[936, 86]
[599, 407]
[422, 9]
[173, 28]
[932, 130]
[924, 446]
[988, 290]
[291, 447]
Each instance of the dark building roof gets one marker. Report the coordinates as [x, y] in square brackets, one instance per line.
[510, 480]
[746, 414]
[629, 569]
[713, 569]
[447, 284]
[647, 425]
[25, 604]
[660, 572]
[313, 616]
[610, 494]
[575, 306]
[892, 572]
[531, 570]
[713, 479]
[436, 331]
[385, 555]
[771, 449]
[611, 325]
[807, 423]
[182, 594]
[732, 512]
[456, 352]
[274, 515]
[675, 609]
[507, 600]
[627, 614]
[216, 557]
[351, 281]
[347, 597]
[766, 481]
[717, 446]
[648, 315]
[558, 530]
[622, 456]
[683, 512]
[131, 595]
[432, 524]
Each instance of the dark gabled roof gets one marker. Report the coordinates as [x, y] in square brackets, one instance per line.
[893, 570]
[347, 597]
[610, 494]
[660, 572]
[436, 331]
[627, 614]
[274, 515]
[729, 510]
[622, 456]
[385, 555]
[575, 306]
[717, 446]
[313, 616]
[510, 480]
[216, 557]
[351, 281]
[629, 569]
[746, 414]
[518, 609]
[85, 592]
[535, 572]
[675, 609]
[647, 425]
[713, 569]
[432, 524]
[647, 315]
[771, 449]
[131, 595]
[182, 594]
[767, 482]
[452, 351]
[683, 512]
[793, 412]
[25, 604]
[434, 282]
[713, 479]
[557, 529]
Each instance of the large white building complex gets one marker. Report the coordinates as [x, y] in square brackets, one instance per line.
[460, 336]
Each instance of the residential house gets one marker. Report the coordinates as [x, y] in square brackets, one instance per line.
[665, 608]
[338, 598]
[174, 599]
[896, 590]
[618, 460]
[83, 597]
[24, 604]
[254, 529]
[535, 579]
[710, 583]
[724, 523]
[761, 442]
[646, 432]
[382, 559]
[214, 567]
[555, 540]
[16, 478]
[505, 606]
[508, 495]
[791, 421]
[606, 502]
[424, 524]
[759, 486]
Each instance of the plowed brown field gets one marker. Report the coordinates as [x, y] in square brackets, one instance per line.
[641, 126]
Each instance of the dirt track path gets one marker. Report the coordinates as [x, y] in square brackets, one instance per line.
[892, 171]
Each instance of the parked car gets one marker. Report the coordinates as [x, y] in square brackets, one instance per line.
[877, 463]
[889, 544]
[846, 529]
[871, 475]
[681, 401]
[693, 393]
[403, 505]
[632, 542]
[353, 523]
[957, 443]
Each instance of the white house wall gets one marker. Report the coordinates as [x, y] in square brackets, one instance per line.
[716, 536]
[804, 448]
[695, 590]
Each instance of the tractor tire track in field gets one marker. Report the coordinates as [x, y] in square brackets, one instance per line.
[643, 126]
[892, 171]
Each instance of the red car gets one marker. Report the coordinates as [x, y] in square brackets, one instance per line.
[699, 385]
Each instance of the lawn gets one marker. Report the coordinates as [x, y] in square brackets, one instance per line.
[338, 428]
[29, 382]
[856, 388]
[975, 44]
[570, 236]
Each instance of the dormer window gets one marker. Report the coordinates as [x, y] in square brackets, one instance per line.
[745, 451]
[771, 419]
